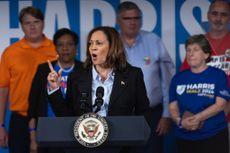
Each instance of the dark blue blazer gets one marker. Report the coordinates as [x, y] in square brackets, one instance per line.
[128, 95]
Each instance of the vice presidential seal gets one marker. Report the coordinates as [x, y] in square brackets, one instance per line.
[91, 130]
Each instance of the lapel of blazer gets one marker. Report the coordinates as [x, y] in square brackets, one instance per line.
[119, 85]
[85, 84]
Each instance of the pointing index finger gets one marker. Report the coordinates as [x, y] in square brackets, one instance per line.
[50, 66]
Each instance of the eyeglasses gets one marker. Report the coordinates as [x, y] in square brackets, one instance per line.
[216, 13]
[131, 18]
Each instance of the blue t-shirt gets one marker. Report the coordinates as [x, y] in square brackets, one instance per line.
[195, 92]
[63, 85]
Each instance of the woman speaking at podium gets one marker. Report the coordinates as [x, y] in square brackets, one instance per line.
[107, 85]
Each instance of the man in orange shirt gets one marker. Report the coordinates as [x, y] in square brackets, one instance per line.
[18, 65]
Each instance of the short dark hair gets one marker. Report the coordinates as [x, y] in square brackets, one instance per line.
[214, 1]
[35, 12]
[116, 58]
[127, 5]
[203, 42]
[65, 31]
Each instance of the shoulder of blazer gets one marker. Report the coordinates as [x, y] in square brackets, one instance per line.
[78, 64]
[130, 70]
[80, 73]
[128, 74]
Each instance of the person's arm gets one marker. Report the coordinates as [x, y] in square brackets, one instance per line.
[194, 122]
[32, 130]
[58, 103]
[212, 110]
[174, 111]
[37, 92]
[142, 105]
[167, 70]
[186, 123]
[4, 92]
[36, 98]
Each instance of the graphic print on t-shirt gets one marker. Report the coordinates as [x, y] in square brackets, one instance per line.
[201, 89]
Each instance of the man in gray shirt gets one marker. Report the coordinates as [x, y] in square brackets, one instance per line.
[147, 51]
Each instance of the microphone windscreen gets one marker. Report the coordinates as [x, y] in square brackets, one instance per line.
[100, 92]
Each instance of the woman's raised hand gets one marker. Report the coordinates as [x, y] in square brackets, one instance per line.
[54, 78]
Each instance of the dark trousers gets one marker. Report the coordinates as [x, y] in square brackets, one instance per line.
[215, 144]
[19, 139]
[155, 142]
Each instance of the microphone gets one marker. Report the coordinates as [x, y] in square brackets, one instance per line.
[99, 100]
[84, 105]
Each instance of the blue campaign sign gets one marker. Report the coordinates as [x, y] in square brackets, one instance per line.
[172, 20]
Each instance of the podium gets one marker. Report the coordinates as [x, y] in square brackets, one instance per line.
[124, 131]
